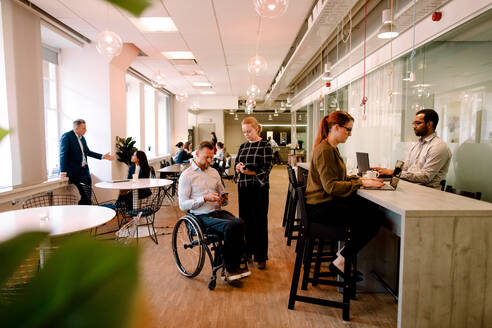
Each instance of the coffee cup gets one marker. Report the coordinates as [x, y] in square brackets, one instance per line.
[371, 174]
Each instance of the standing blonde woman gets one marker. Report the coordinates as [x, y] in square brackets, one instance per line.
[253, 165]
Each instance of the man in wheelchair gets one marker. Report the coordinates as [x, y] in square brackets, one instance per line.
[201, 192]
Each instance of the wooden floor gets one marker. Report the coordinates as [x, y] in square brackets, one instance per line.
[169, 299]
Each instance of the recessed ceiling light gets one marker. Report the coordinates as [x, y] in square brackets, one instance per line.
[154, 24]
[208, 92]
[202, 84]
[178, 54]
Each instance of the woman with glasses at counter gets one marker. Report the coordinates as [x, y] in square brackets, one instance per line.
[331, 195]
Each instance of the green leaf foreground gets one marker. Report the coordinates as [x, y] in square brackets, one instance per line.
[3, 133]
[135, 7]
[85, 283]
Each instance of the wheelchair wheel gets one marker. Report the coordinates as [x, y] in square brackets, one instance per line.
[188, 248]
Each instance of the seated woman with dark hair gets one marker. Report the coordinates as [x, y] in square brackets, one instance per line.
[139, 166]
[183, 154]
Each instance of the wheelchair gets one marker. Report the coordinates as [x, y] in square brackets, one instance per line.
[190, 243]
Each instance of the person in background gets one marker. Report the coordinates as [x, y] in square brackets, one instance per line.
[73, 158]
[201, 192]
[182, 154]
[428, 161]
[275, 149]
[214, 138]
[140, 167]
[252, 167]
[189, 152]
[219, 156]
[331, 195]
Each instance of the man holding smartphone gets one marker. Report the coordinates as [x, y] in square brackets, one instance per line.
[201, 192]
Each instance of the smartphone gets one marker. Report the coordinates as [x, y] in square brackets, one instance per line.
[225, 197]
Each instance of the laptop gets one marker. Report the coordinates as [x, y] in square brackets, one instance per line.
[393, 183]
[362, 163]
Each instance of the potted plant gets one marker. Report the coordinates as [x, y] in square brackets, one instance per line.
[125, 147]
[300, 142]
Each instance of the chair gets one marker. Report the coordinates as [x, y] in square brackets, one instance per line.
[148, 207]
[292, 223]
[152, 172]
[310, 231]
[470, 194]
[443, 184]
[172, 160]
[190, 243]
[226, 164]
[49, 199]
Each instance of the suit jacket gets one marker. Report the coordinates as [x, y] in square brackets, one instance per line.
[143, 174]
[71, 155]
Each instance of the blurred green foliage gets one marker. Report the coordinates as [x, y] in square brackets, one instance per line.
[135, 7]
[84, 283]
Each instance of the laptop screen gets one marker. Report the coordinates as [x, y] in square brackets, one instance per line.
[362, 162]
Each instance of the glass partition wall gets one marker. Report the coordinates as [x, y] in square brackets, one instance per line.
[454, 77]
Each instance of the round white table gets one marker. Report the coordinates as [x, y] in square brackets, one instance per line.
[57, 220]
[134, 185]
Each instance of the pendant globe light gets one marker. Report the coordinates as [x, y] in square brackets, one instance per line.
[251, 102]
[257, 65]
[195, 107]
[158, 80]
[109, 44]
[388, 30]
[253, 91]
[181, 97]
[270, 117]
[275, 113]
[271, 8]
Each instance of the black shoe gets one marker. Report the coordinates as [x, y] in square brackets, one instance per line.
[334, 269]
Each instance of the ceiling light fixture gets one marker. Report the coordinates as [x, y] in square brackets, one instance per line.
[158, 80]
[388, 30]
[253, 91]
[154, 24]
[181, 97]
[202, 84]
[257, 65]
[178, 54]
[275, 113]
[327, 75]
[251, 102]
[271, 8]
[109, 44]
[235, 117]
[195, 107]
[270, 117]
[208, 92]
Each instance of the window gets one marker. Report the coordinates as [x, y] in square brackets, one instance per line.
[163, 124]
[5, 159]
[52, 134]
[133, 109]
[149, 97]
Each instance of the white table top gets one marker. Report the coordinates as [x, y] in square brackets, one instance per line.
[57, 220]
[139, 184]
[414, 199]
[175, 168]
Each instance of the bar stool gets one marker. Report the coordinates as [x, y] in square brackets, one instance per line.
[310, 231]
[292, 223]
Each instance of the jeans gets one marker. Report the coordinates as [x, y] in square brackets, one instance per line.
[231, 229]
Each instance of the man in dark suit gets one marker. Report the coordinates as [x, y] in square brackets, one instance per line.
[73, 158]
